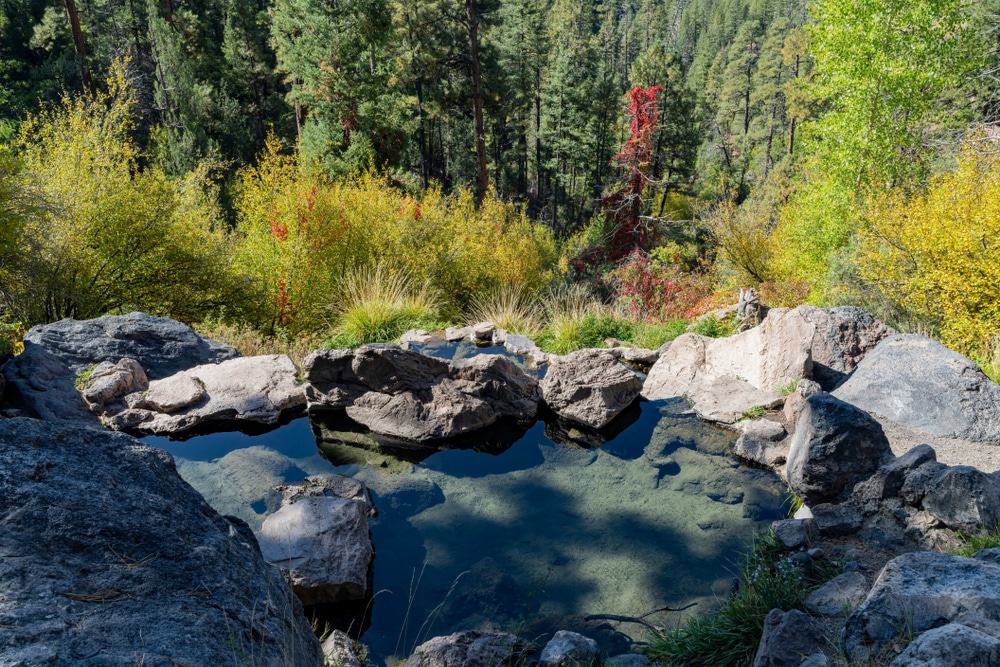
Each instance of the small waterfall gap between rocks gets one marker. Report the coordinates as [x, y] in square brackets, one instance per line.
[519, 531]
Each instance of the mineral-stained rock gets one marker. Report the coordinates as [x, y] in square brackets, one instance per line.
[835, 445]
[590, 387]
[408, 395]
[467, 649]
[919, 591]
[321, 539]
[108, 558]
[922, 384]
[787, 638]
[247, 389]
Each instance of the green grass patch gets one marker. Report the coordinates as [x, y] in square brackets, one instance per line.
[973, 543]
[715, 328]
[652, 336]
[728, 636]
[788, 389]
[567, 334]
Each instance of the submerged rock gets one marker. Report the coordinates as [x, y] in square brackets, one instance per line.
[590, 387]
[568, 649]
[320, 539]
[108, 558]
[466, 649]
[920, 383]
[408, 395]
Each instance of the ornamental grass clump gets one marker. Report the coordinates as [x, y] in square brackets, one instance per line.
[511, 307]
[576, 319]
[379, 306]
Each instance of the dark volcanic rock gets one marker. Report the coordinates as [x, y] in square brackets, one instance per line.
[108, 558]
[835, 445]
[161, 346]
[787, 639]
[922, 384]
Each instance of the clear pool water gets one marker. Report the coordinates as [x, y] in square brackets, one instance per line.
[516, 532]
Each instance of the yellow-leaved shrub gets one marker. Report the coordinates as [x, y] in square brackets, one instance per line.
[938, 254]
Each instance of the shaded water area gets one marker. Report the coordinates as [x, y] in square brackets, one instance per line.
[519, 531]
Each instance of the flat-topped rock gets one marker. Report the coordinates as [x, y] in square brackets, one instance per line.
[918, 382]
[108, 558]
[246, 389]
[590, 387]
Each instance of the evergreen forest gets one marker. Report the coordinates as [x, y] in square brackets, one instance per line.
[304, 172]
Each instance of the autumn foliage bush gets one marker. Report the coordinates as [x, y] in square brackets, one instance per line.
[654, 288]
[937, 254]
[302, 234]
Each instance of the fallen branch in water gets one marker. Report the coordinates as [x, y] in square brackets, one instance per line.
[637, 619]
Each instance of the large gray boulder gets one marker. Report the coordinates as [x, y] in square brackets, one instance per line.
[407, 395]
[108, 558]
[589, 386]
[920, 383]
[842, 337]
[43, 378]
[951, 645]
[246, 389]
[161, 346]
[320, 538]
[919, 591]
[467, 649]
[835, 446]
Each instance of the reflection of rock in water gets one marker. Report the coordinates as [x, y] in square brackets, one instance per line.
[569, 433]
[343, 441]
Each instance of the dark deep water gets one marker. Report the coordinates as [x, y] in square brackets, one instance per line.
[516, 532]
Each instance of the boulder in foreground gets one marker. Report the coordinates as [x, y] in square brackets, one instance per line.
[590, 387]
[108, 558]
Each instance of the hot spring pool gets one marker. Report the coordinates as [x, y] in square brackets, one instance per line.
[528, 537]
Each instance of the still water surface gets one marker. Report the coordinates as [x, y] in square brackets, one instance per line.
[529, 534]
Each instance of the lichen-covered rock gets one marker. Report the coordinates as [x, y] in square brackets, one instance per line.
[842, 338]
[835, 445]
[920, 383]
[951, 645]
[919, 591]
[467, 649]
[321, 539]
[590, 387]
[108, 558]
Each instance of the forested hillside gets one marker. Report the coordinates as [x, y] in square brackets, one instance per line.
[269, 153]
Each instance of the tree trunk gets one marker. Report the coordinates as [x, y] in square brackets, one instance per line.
[78, 44]
[472, 23]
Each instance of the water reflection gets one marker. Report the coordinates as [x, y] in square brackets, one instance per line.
[518, 534]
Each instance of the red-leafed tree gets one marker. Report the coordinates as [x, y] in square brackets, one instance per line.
[623, 206]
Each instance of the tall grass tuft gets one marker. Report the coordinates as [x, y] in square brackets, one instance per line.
[989, 360]
[380, 305]
[511, 307]
[728, 637]
[568, 309]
